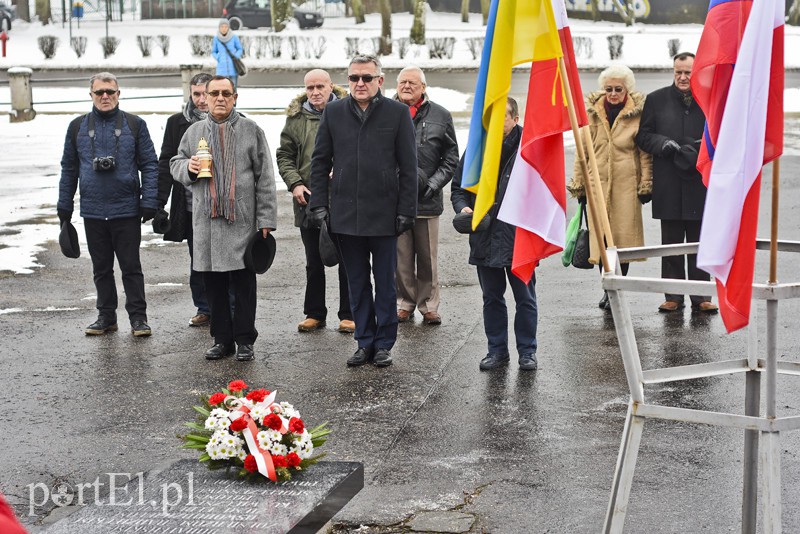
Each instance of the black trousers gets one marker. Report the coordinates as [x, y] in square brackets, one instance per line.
[673, 232]
[238, 325]
[196, 284]
[120, 238]
[314, 303]
[375, 318]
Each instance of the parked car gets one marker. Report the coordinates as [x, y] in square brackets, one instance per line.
[256, 14]
[7, 14]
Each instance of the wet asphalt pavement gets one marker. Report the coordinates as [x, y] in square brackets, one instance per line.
[520, 452]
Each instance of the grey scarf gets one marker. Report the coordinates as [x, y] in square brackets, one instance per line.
[220, 195]
[192, 114]
[225, 38]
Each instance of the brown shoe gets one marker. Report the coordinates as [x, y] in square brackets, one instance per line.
[431, 317]
[705, 307]
[403, 316]
[310, 324]
[201, 319]
[670, 306]
[346, 327]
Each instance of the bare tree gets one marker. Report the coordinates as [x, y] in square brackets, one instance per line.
[794, 13]
[281, 13]
[464, 10]
[626, 11]
[418, 26]
[24, 11]
[386, 28]
[43, 11]
[485, 11]
[595, 10]
[358, 11]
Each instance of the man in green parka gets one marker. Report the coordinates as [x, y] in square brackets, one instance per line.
[294, 165]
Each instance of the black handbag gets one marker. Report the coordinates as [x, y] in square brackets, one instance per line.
[580, 257]
[238, 64]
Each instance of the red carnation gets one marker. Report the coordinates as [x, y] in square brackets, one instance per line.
[238, 425]
[296, 425]
[250, 463]
[257, 395]
[216, 398]
[292, 459]
[279, 461]
[237, 385]
[273, 422]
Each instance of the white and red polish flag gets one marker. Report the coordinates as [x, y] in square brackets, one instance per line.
[739, 61]
[535, 201]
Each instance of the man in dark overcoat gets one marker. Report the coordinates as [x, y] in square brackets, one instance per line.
[670, 129]
[180, 208]
[364, 183]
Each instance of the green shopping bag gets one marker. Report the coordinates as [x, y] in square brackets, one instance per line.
[571, 237]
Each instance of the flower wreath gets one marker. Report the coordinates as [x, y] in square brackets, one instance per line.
[253, 433]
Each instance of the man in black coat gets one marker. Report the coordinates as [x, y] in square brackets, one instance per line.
[364, 183]
[437, 159]
[180, 208]
[492, 250]
[670, 129]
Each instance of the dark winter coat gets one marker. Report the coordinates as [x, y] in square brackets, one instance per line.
[115, 194]
[437, 155]
[493, 247]
[677, 194]
[374, 164]
[297, 146]
[173, 132]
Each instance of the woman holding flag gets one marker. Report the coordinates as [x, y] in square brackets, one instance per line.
[625, 171]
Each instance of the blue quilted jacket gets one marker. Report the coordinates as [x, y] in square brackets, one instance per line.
[116, 194]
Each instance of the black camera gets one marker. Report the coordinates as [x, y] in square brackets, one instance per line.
[104, 164]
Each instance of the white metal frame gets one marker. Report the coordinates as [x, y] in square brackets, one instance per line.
[760, 431]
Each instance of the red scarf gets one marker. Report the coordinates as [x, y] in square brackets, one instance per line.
[414, 108]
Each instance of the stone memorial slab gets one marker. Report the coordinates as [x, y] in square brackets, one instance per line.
[187, 498]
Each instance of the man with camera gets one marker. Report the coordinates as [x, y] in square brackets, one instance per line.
[110, 155]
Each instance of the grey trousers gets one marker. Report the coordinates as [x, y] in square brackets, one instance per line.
[417, 271]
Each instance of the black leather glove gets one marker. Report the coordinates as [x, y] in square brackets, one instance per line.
[64, 216]
[644, 199]
[161, 222]
[318, 215]
[669, 148]
[148, 214]
[428, 193]
[582, 200]
[403, 223]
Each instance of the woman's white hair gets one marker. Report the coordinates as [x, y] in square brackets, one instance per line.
[618, 71]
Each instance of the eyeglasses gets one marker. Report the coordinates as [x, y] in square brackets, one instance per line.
[617, 89]
[109, 92]
[215, 94]
[366, 77]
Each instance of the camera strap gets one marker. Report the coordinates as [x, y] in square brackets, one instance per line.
[117, 133]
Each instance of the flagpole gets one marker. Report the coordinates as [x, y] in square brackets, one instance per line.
[773, 241]
[573, 121]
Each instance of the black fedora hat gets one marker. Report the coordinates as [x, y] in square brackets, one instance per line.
[68, 240]
[462, 222]
[161, 222]
[260, 253]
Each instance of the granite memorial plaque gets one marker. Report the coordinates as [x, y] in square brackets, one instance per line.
[187, 498]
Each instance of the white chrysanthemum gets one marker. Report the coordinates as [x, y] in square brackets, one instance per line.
[288, 411]
[263, 439]
[211, 423]
[213, 452]
[278, 449]
[303, 445]
[232, 441]
[217, 437]
[219, 413]
[226, 452]
[241, 453]
[258, 412]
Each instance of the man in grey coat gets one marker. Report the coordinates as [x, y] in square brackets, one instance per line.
[228, 209]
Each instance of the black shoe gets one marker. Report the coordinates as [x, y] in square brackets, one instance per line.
[361, 356]
[101, 326]
[245, 353]
[494, 360]
[527, 362]
[219, 351]
[140, 329]
[383, 358]
[604, 304]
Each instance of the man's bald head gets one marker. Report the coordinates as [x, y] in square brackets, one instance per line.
[318, 88]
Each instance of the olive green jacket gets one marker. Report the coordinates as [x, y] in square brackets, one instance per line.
[297, 146]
